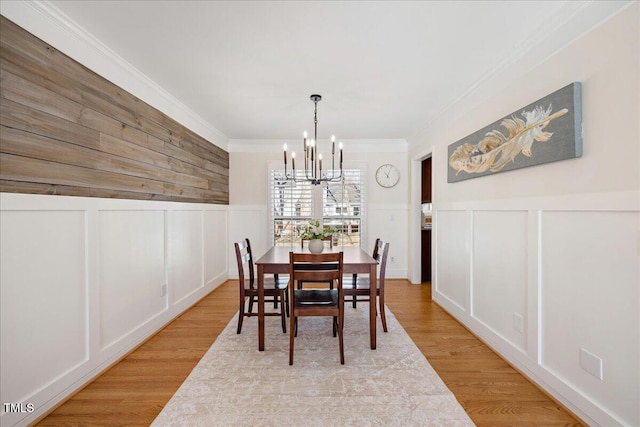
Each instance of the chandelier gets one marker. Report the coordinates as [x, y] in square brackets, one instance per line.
[313, 160]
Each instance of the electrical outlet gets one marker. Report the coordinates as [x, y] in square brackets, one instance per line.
[518, 322]
[591, 363]
[163, 290]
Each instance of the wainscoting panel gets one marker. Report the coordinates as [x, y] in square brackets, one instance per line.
[452, 266]
[185, 253]
[247, 221]
[215, 245]
[563, 270]
[44, 299]
[131, 270]
[388, 222]
[590, 302]
[500, 273]
[85, 280]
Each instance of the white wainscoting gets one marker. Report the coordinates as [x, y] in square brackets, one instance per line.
[389, 222]
[85, 280]
[450, 261]
[553, 285]
[499, 267]
[131, 253]
[248, 222]
[44, 297]
[186, 237]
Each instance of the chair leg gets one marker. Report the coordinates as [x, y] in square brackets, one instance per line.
[340, 337]
[286, 301]
[276, 279]
[251, 304]
[240, 315]
[354, 281]
[382, 315]
[282, 313]
[335, 326]
[292, 331]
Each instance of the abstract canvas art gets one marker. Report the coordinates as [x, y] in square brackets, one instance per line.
[547, 130]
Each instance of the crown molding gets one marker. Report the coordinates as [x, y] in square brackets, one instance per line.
[48, 23]
[575, 19]
[350, 145]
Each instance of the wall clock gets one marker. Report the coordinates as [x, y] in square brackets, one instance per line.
[387, 176]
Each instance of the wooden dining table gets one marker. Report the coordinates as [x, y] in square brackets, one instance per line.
[355, 260]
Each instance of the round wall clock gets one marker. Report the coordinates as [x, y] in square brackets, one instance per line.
[387, 176]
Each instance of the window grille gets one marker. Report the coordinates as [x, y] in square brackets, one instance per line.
[293, 205]
[342, 206]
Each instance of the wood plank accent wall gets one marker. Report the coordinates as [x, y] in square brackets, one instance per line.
[66, 130]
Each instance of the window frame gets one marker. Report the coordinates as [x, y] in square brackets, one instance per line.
[346, 220]
[317, 197]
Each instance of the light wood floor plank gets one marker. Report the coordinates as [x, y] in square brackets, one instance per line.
[134, 391]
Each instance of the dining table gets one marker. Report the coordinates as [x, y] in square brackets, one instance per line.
[355, 260]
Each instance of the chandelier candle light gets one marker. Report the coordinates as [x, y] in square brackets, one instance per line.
[313, 160]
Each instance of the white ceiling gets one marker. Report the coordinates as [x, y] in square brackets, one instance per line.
[385, 69]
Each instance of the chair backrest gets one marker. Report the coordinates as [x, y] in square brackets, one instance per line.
[244, 256]
[323, 267]
[376, 247]
[324, 239]
[380, 254]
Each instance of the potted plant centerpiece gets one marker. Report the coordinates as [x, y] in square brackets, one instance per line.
[314, 231]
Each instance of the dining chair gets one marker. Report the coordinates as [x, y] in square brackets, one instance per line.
[352, 279]
[316, 302]
[324, 239]
[358, 289]
[275, 289]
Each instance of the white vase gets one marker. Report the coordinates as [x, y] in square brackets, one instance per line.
[316, 246]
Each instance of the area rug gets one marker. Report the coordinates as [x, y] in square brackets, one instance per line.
[236, 385]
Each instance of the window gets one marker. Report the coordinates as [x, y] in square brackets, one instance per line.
[291, 206]
[339, 204]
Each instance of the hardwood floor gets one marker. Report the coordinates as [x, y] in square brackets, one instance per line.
[134, 391]
[488, 388]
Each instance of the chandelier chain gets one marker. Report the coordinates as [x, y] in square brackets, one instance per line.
[315, 121]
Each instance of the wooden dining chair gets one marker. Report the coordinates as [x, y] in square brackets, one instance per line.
[324, 239]
[275, 289]
[352, 278]
[359, 288]
[316, 302]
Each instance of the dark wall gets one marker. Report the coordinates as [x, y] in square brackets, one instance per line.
[67, 131]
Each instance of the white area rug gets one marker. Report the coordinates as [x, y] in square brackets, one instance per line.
[236, 385]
